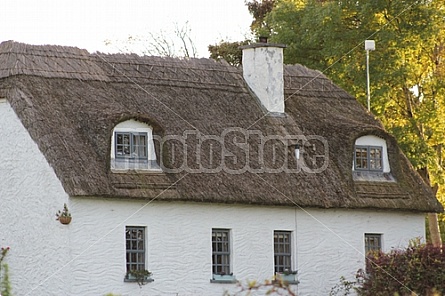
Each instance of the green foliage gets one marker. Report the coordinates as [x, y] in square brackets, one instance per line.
[259, 10]
[63, 213]
[417, 270]
[229, 51]
[5, 285]
[140, 276]
[407, 69]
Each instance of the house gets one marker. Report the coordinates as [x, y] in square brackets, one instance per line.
[203, 173]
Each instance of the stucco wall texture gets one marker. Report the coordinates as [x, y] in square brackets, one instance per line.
[87, 257]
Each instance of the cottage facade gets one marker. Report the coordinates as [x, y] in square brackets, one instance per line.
[186, 169]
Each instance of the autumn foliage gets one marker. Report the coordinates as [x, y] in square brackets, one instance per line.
[417, 270]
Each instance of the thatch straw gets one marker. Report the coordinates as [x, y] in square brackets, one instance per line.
[69, 100]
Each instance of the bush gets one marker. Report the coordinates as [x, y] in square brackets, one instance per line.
[5, 286]
[417, 270]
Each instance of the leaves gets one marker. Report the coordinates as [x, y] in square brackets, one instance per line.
[407, 70]
[229, 51]
[417, 270]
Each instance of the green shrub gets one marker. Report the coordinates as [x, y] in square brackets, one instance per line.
[5, 286]
[417, 270]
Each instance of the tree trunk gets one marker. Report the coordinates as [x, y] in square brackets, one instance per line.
[433, 222]
[433, 225]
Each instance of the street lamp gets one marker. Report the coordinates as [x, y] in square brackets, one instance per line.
[369, 45]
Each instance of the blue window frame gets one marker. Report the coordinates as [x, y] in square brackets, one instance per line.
[368, 158]
[135, 246]
[373, 242]
[131, 145]
[221, 251]
[282, 251]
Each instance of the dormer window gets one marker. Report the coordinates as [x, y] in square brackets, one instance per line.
[370, 162]
[132, 147]
[368, 158]
[370, 154]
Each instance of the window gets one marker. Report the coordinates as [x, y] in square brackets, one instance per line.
[373, 242]
[368, 158]
[135, 242]
[221, 252]
[282, 251]
[131, 145]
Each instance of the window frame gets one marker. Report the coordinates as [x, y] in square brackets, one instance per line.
[146, 160]
[368, 158]
[131, 145]
[284, 255]
[224, 256]
[140, 264]
[373, 247]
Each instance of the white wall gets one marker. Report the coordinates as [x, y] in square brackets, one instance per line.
[30, 195]
[329, 244]
[91, 250]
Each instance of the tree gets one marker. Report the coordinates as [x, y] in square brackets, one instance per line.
[259, 10]
[229, 51]
[160, 44]
[407, 69]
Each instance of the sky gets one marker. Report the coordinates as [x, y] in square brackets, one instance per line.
[89, 23]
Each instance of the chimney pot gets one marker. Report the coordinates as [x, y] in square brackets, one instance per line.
[263, 39]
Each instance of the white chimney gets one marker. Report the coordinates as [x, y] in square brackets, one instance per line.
[263, 72]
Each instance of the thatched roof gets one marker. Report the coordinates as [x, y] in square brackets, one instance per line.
[69, 100]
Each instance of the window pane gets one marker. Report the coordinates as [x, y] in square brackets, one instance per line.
[368, 158]
[140, 245]
[220, 251]
[139, 149]
[131, 145]
[122, 144]
[135, 245]
[282, 250]
[376, 158]
[373, 242]
[361, 156]
[133, 257]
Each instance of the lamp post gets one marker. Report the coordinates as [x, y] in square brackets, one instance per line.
[369, 45]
